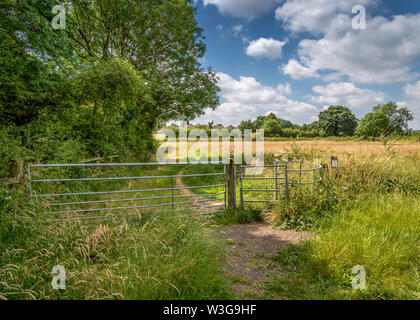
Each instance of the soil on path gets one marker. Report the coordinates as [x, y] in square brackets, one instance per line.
[187, 192]
[250, 246]
[248, 264]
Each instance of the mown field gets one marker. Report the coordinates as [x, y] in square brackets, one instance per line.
[367, 214]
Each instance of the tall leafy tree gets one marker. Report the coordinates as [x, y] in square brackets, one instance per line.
[374, 124]
[246, 124]
[337, 121]
[29, 51]
[398, 117]
[162, 41]
[271, 127]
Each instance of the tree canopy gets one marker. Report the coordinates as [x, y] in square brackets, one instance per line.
[337, 121]
[117, 70]
[398, 117]
[374, 124]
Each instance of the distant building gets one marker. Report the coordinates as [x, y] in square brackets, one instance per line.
[230, 127]
[218, 126]
[190, 126]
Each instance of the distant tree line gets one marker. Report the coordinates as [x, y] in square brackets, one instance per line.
[338, 121]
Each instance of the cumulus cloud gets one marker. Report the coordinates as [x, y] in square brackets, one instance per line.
[413, 96]
[347, 94]
[382, 53]
[237, 29]
[268, 48]
[241, 8]
[297, 71]
[246, 98]
[314, 15]
[413, 90]
[285, 89]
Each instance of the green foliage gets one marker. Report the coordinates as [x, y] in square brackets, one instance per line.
[398, 117]
[415, 136]
[374, 124]
[138, 258]
[159, 38]
[378, 175]
[114, 108]
[379, 233]
[275, 127]
[246, 124]
[304, 211]
[239, 216]
[337, 121]
[101, 85]
[271, 127]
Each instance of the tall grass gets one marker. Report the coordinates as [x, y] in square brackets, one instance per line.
[145, 257]
[382, 234]
[357, 176]
[139, 258]
[367, 213]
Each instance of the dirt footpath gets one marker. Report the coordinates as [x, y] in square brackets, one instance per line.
[250, 247]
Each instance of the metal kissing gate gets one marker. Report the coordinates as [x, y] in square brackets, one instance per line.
[82, 191]
[70, 192]
[278, 182]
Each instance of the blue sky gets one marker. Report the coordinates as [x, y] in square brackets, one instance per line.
[294, 57]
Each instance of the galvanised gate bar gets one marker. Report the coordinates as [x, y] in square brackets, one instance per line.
[279, 181]
[66, 196]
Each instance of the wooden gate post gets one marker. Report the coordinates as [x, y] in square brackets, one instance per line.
[231, 184]
[16, 171]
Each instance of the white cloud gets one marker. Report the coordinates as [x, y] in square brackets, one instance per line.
[297, 71]
[285, 90]
[347, 94]
[413, 90]
[246, 98]
[413, 96]
[237, 29]
[382, 53]
[314, 15]
[241, 8]
[268, 48]
[219, 27]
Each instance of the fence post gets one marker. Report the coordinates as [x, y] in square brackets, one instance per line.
[172, 187]
[28, 169]
[334, 165]
[225, 181]
[234, 185]
[286, 182]
[231, 184]
[314, 181]
[300, 173]
[241, 188]
[275, 181]
[16, 170]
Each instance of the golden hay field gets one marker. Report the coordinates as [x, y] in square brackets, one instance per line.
[343, 148]
[346, 147]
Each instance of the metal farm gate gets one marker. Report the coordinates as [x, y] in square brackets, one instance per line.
[70, 192]
[277, 182]
[102, 190]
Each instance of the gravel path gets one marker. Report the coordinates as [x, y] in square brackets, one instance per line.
[250, 247]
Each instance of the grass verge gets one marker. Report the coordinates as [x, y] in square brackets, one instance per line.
[147, 257]
[382, 234]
